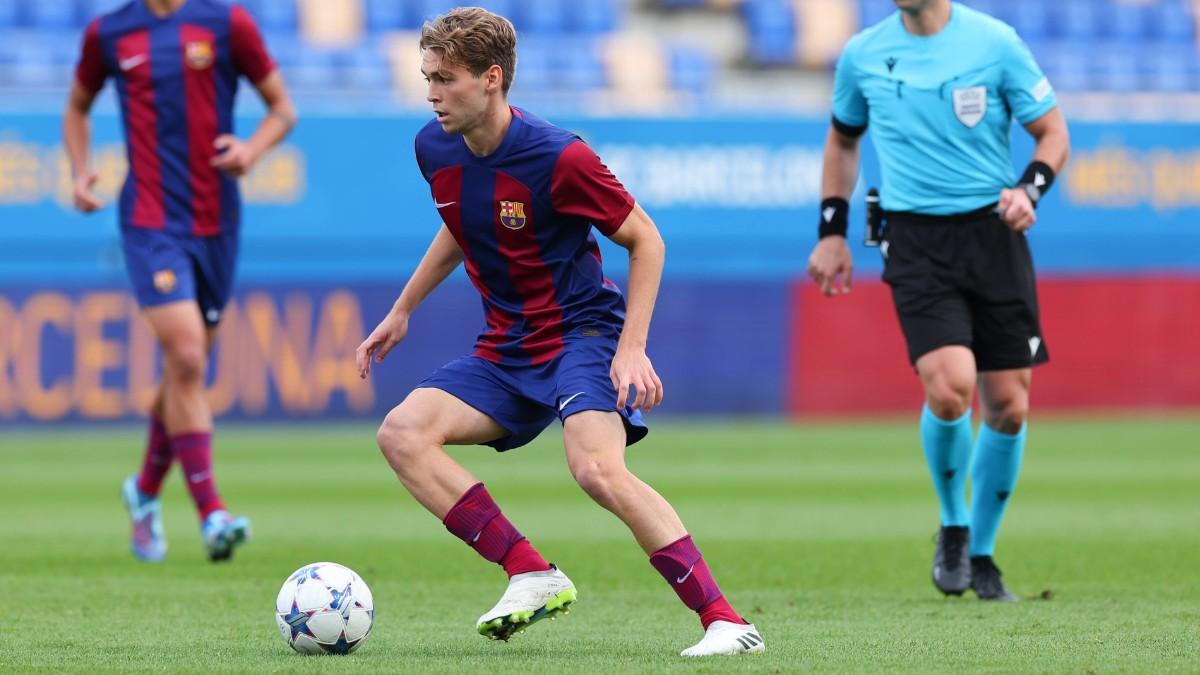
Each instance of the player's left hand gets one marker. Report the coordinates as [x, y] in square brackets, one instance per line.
[631, 367]
[1016, 209]
[235, 157]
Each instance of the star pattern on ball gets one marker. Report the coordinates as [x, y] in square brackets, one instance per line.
[297, 621]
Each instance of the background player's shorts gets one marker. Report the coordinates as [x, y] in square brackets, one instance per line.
[526, 399]
[964, 280]
[166, 267]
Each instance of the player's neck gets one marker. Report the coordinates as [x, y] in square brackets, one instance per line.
[489, 133]
[930, 19]
[164, 8]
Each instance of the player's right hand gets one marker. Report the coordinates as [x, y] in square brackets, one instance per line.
[831, 259]
[386, 335]
[85, 200]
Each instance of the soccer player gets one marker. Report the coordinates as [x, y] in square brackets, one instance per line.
[939, 84]
[176, 65]
[519, 198]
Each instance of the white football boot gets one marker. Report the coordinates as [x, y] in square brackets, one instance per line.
[726, 639]
[530, 597]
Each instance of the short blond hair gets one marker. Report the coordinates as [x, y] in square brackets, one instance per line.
[475, 39]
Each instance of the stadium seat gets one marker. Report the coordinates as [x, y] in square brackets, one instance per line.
[543, 17]
[274, 15]
[772, 28]
[692, 70]
[583, 69]
[93, 8]
[51, 14]
[285, 49]
[8, 58]
[1127, 22]
[388, 15]
[1076, 20]
[37, 63]
[1165, 68]
[1113, 68]
[427, 10]
[1171, 21]
[313, 69]
[1029, 18]
[365, 68]
[1064, 66]
[534, 69]
[593, 17]
[10, 17]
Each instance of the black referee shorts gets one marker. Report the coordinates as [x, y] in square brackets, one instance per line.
[967, 280]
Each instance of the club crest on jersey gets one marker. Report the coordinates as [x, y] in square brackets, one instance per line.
[164, 281]
[512, 215]
[199, 55]
[970, 105]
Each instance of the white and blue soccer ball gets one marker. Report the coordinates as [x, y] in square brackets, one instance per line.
[324, 608]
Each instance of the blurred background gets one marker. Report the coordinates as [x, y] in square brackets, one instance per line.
[712, 112]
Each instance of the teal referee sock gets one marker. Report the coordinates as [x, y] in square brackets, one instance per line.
[993, 477]
[948, 451]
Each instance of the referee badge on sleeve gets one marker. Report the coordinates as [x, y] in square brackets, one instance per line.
[970, 105]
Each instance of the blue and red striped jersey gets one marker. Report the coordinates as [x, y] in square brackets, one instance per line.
[523, 217]
[176, 77]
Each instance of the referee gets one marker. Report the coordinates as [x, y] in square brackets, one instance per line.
[939, 84]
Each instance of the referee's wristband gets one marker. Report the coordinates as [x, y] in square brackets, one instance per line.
[835, 219]
[1036, 180]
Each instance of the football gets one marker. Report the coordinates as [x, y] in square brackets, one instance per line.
[324, 608]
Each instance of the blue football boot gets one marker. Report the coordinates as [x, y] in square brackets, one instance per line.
[147, 542]
[223, 533]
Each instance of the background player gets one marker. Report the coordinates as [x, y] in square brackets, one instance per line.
[519, 197]
[176, 66]
[940, 84]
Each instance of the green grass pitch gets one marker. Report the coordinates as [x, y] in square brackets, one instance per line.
[821, 534]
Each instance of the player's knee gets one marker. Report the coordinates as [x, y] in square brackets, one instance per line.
[400, 439]
[185, 364]
[948, 402]
[600, 480]
[1009, 417]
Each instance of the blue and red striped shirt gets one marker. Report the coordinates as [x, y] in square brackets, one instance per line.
[176, 78]
[523, 217]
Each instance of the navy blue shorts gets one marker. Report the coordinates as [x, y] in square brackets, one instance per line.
[526, 399]
[166, 267]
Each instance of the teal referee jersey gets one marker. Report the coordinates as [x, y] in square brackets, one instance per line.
[940, 108]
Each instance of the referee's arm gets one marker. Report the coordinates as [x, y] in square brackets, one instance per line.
[1051, 152]
[831, 258]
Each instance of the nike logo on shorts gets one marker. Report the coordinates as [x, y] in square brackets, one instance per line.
[570, 398]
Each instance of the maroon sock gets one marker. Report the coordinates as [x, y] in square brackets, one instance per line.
[476, 519]
[157, 461]
[682, 565]
[194, 451]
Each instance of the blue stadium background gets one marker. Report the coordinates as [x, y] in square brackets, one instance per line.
[338, 217]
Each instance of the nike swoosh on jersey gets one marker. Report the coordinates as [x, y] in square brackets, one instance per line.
[440, 205]
[132, 62]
